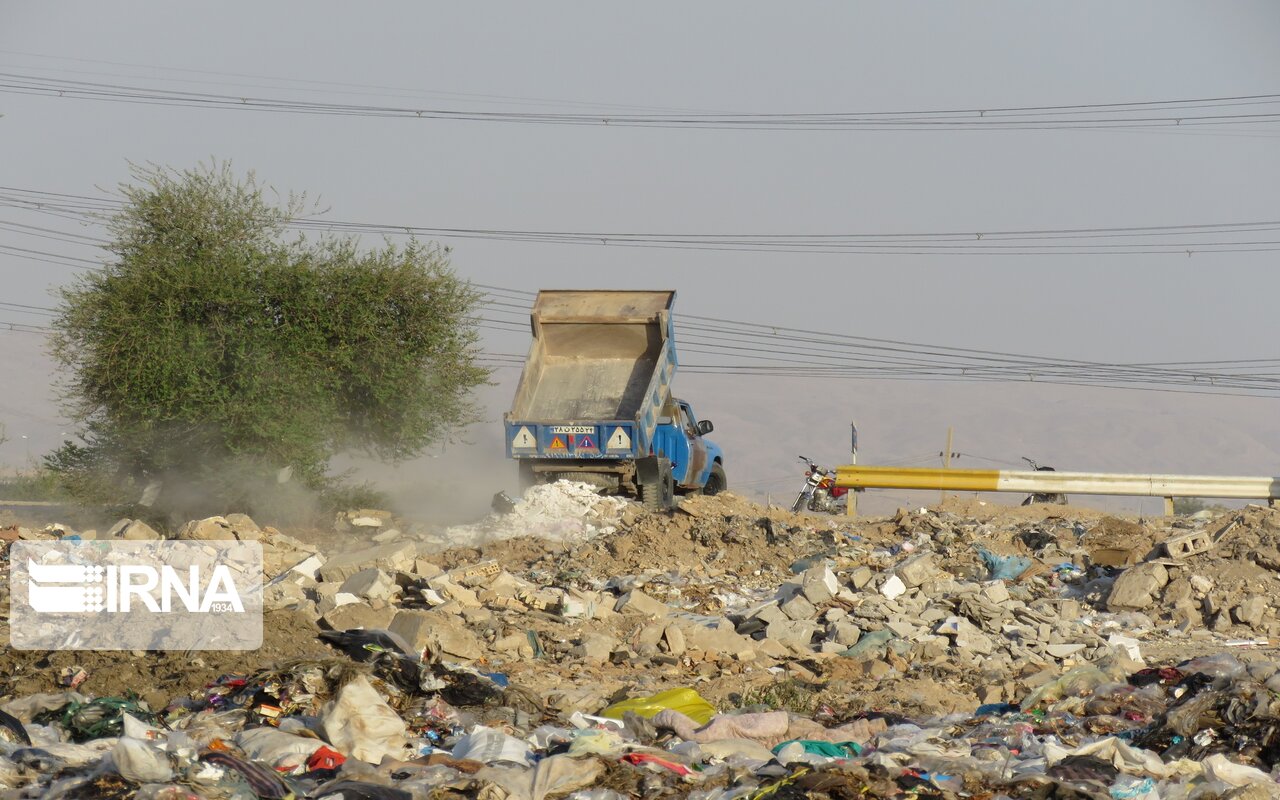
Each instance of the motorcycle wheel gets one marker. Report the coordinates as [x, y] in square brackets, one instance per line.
[798, 504]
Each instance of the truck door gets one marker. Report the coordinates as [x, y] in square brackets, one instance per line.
[696, 473]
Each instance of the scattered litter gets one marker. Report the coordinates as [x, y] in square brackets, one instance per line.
[732, 651]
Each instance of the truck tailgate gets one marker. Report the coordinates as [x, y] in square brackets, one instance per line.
[611, 439]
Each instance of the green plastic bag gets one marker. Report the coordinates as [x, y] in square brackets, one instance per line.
[686, 701]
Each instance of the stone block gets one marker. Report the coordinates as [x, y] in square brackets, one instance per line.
[475, 574]
[244, 528]
[308, 567]
[860, 577]
[674, 638]
[903, 629]
[772, 649]
[133, 530]
[649, 635]
[206, 529]
[1064, 650]
[370, 584]
[396, 557]
[915, 570]
[636, 602]
[1137, 587]
[1251, 611]
[846, 633]
[436, 632]
[425, 568]
[1188, 544]
[510, 643]
[819, 584]
[770, 613]
[283, 594]
[358, 615]
[893, 587]
[996, 592]
[798, 608]
[594, 648]
[721, 639]
[792, 633]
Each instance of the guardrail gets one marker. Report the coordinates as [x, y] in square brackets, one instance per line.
[1050, 482]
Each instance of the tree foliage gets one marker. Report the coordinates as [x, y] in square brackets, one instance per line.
[217, 353]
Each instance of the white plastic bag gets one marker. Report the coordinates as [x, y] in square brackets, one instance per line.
[491, 746]
[276, 748]
[138, 761]
[358, 723]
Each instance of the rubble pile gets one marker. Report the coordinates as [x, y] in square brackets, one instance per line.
[581, 647]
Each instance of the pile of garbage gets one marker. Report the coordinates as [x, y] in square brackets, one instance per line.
[581, 647]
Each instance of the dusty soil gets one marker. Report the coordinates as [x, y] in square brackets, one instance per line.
[159, 677]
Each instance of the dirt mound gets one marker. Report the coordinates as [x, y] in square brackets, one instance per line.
[159, 677]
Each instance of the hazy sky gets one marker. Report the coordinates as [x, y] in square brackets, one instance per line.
[709, 56]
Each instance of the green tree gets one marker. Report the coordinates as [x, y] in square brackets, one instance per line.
[214, 356]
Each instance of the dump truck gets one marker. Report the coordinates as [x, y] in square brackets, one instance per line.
[594, 402]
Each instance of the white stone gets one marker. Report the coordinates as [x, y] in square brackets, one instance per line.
[893, 587]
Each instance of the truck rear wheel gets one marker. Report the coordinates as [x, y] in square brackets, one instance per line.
[659, 494]
[716, 481]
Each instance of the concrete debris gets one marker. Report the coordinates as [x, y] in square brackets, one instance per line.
[398, 556]
[1138, 587]
[879, 652]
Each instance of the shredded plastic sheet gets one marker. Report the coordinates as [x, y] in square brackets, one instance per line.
[564, 511]
[1004, 568]
[686, 701]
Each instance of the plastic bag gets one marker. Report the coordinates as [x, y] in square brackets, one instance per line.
[360, 724]
[1222, 665]
[870, 643]
[1078, 681]
[1004, 568]
[1219, 767]
[488, 745]
[686, 701]
[138, 761]
[277, 748]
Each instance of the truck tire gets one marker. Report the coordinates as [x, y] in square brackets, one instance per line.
[716, 481]
[659, 494]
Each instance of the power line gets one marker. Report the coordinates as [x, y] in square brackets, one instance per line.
[339, 87]
[1146, 114]
[761, 349]
[1185, 239]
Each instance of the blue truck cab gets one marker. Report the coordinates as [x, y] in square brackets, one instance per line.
[594, 401]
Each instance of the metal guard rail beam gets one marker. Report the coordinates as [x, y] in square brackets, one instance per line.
[1045, 482]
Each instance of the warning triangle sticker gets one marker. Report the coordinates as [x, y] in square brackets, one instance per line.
[619, 440]
[557, 443]
[524, 439]
[586, 443]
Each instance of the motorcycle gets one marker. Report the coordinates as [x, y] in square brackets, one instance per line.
[1037, 498]
[820, 492]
